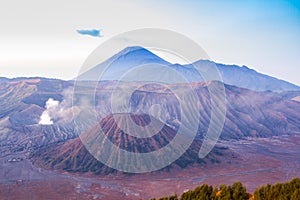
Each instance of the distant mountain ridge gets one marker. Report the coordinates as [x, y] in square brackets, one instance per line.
[132, 57]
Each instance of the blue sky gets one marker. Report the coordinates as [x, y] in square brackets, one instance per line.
[40, 39]
[263, 35]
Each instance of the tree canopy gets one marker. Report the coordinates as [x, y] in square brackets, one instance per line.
[279, 191]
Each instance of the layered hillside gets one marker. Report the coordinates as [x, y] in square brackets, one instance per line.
[248, 114]
[74, 157]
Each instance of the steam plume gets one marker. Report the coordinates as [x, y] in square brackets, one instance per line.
[56, 110]
[51, 105]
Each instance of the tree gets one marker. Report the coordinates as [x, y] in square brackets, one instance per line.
[239, 191]
[296, 194]
[279, 191]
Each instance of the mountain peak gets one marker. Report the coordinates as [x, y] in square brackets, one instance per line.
[125, 60]
[133, 57]
[139, 54]
[130, 49]
[133, 48]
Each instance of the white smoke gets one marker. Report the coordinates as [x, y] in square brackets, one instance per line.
[56, 110]
[51, 106]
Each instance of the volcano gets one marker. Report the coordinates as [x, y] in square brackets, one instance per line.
[72, 156]
[134, 59]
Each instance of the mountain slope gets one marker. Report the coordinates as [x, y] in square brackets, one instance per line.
[121, 62]
[249, 114]
[249, 78]
[22, 103]
[128, 59]
[72, 156]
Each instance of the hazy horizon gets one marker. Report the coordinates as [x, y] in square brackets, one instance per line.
[167, 57]
[42, 39]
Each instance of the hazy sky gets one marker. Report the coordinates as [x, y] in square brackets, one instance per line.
[39, 38]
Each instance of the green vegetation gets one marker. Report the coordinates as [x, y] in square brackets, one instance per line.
[282, 191]
[279, 191]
